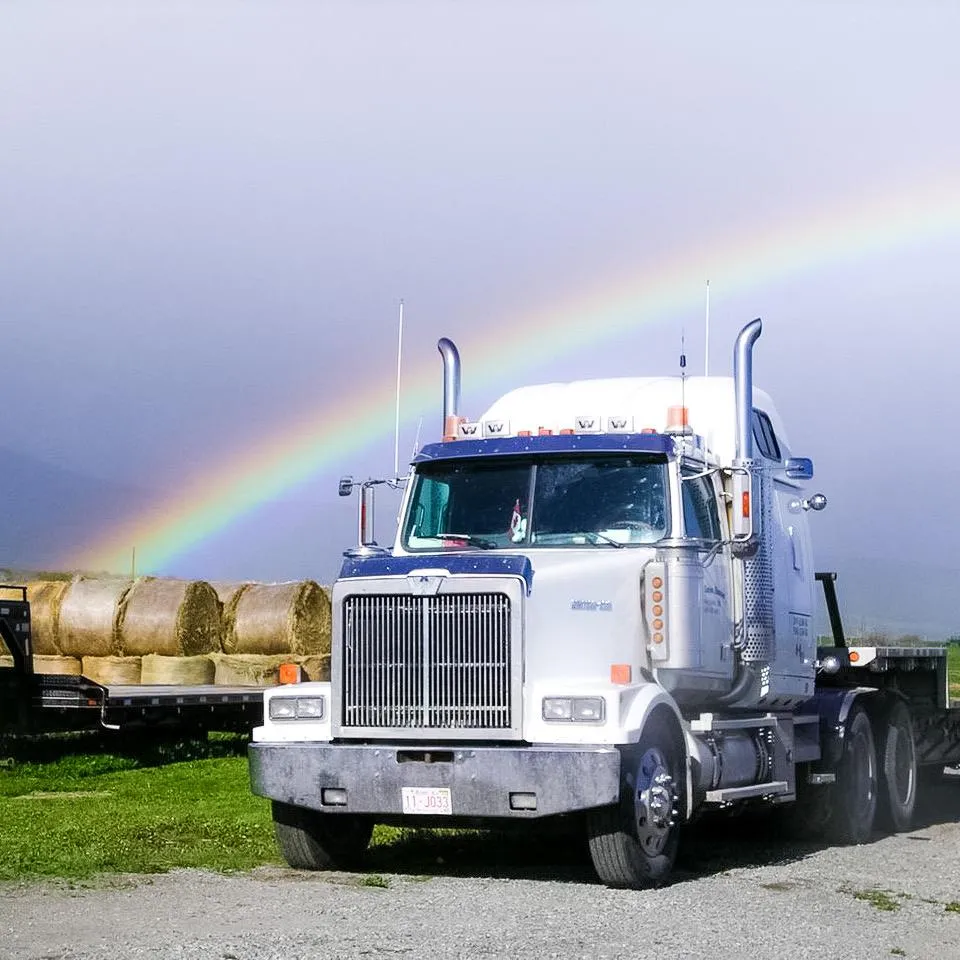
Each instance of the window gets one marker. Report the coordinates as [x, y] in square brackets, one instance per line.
[764, 436]
[701, 518]
[558, 500]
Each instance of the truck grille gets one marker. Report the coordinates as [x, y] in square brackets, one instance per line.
[440, 662]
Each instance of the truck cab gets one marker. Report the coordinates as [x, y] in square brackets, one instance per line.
[598, 605]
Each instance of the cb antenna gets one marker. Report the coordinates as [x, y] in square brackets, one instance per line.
[396, 432]
[706, 345]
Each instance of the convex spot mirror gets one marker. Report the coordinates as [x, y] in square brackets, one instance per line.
[799, 468]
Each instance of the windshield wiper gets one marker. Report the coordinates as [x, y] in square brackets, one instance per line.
[603, 537]
[473, 541]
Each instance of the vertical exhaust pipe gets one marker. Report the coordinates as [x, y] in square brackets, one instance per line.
[451, 387]
[743, 381]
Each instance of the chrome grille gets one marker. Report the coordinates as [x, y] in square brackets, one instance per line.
[440, 662]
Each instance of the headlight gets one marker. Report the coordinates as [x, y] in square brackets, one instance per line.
[297, 708]
[575, 709]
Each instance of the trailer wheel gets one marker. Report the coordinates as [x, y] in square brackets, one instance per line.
[634, 843]
[897, 754]
[854, 796]
[309, 840]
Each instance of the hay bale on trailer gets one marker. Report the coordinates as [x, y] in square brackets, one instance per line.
[107, 670]
[228, 593]
[90, 617]
[179, 671]
[51, 664]
[248, 669]
[171, 618]
[280, 618]
[315, 668]
[45, 597]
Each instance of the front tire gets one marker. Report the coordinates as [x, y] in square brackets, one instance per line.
[854, 795]
[310, 840]
[634, 843]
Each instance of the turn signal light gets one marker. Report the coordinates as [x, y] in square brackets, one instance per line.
[620, 673]
[289, 673]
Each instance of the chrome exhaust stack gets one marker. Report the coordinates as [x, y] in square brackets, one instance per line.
[743, 381]
[451, 387]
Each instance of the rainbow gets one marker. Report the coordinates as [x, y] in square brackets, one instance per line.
[883, 221]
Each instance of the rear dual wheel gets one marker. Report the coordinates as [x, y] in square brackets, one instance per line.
[897, 755]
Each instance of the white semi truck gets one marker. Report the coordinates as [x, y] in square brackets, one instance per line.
[599, 606]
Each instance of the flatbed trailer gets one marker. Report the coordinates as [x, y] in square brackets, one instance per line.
[42, 703]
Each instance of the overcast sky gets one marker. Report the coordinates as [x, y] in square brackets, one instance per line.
[209, 211]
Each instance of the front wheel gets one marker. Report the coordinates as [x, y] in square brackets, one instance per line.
[309, 840]
[634, 843]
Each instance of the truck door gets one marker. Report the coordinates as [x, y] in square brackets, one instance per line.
[701, 521]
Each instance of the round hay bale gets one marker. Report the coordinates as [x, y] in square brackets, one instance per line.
[90, 616]
[45, 597]
[228, 593]
[107, 670]
[179, 671]
[172, 618]
[248, 669]
[57, 665]
[275, 618]
[315, 668]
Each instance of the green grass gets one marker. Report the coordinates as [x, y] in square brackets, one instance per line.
[953, 668]
[82, 815]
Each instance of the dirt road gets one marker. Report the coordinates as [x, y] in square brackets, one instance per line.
[740, 891]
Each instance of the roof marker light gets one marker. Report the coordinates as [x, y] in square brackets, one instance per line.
[567, 431]
[678, 420]
[523, 433]
[544, 432]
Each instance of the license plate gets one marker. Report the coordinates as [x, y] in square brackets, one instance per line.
[426, 800]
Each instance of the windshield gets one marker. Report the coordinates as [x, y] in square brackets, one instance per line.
[601, 500]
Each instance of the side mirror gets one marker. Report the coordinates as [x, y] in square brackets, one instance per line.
[345, 487]
[799, 468]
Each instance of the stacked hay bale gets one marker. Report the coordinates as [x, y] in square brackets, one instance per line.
[88, 629]
[45, 598]
[161, 631]
[270, 624]
[170, 626]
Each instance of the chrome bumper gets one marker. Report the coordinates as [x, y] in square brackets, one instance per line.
[481, 779]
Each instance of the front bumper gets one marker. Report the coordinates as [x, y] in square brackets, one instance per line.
[480, 779]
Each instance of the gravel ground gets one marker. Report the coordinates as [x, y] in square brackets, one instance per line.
[739, 891]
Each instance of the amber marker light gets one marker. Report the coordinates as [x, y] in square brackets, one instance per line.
[745, 503]
[658, 611]
[854, 656]
[289, 673]
[620, 673]
[657, 583]
[658, 638]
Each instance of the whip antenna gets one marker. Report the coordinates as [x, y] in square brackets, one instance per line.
[396, 434]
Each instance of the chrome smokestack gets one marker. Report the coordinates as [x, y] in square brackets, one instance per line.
[451, 387]
[743, 381]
